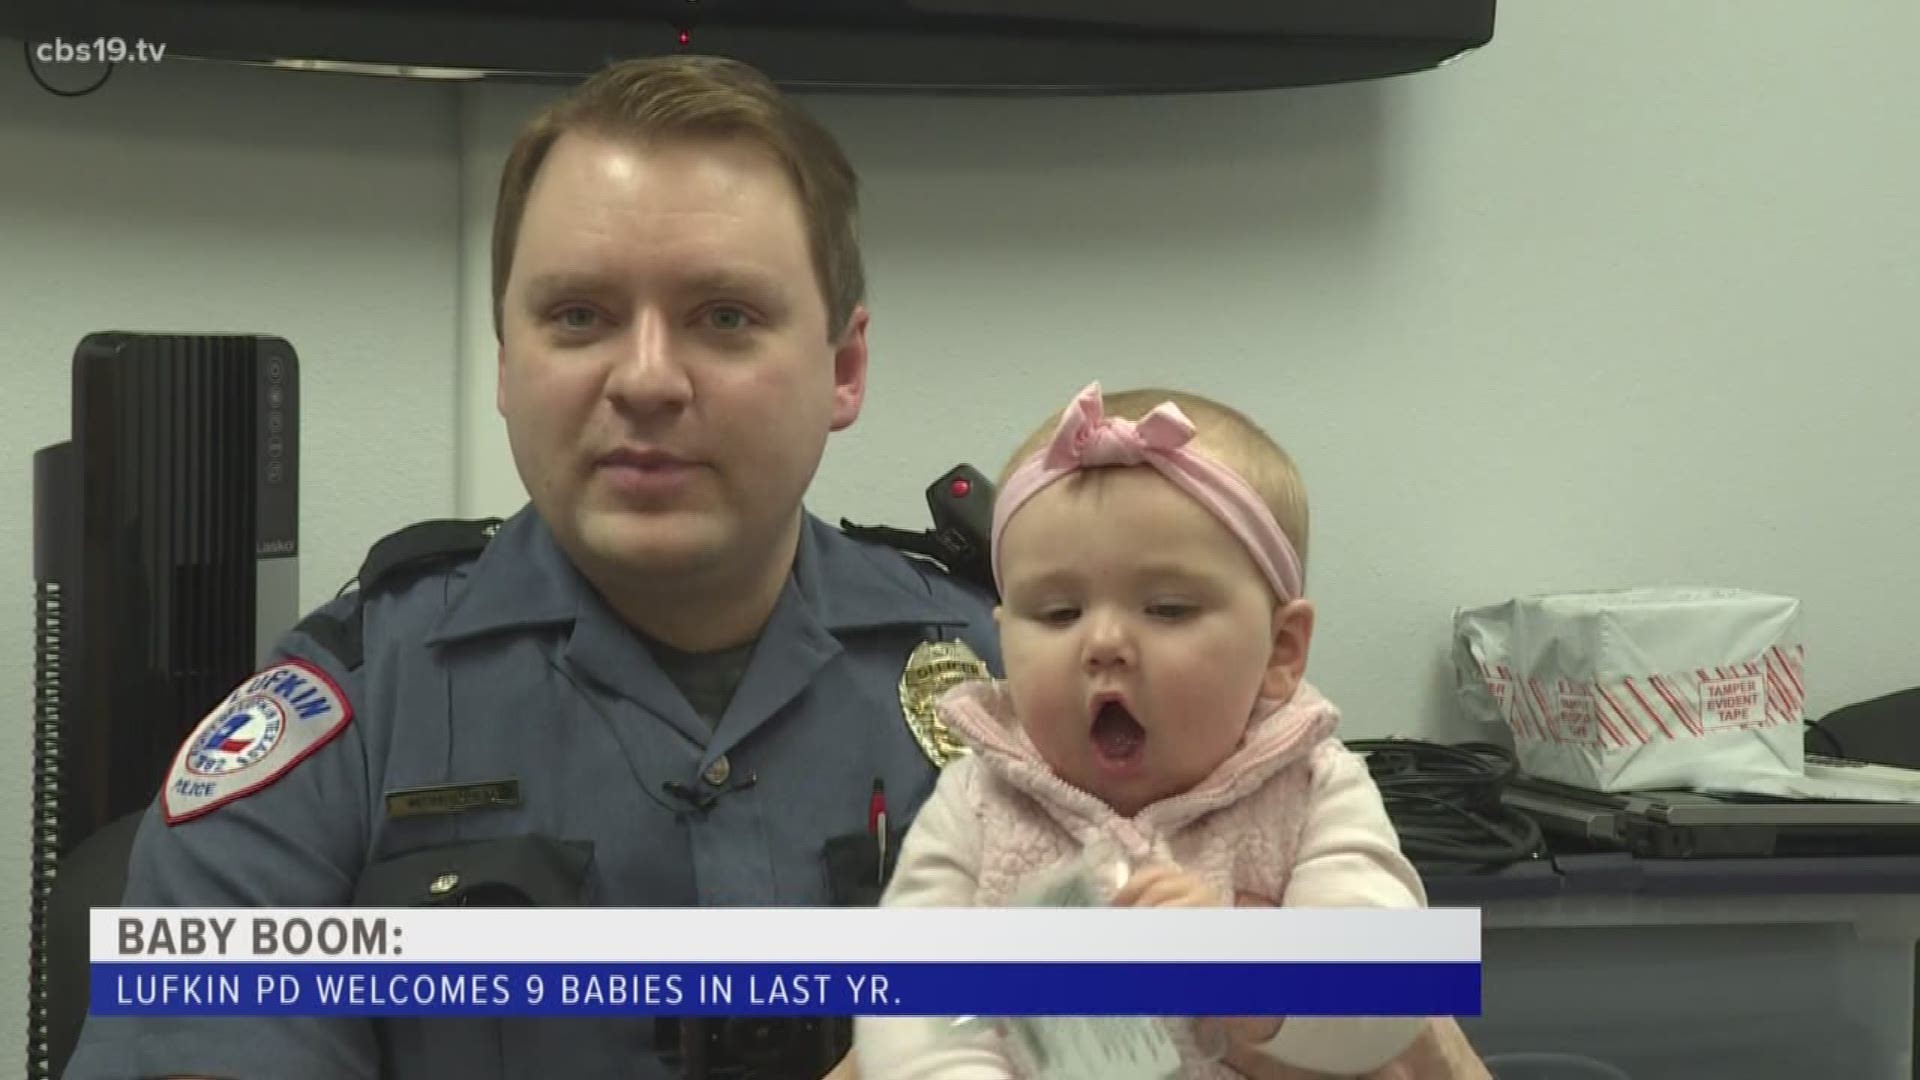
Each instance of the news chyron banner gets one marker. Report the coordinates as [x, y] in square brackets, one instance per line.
[522, 962]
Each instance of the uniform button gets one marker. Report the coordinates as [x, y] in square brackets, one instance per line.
[718, 772]
[443, 884]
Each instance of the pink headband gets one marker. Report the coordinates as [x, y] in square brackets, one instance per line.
[1088, 439]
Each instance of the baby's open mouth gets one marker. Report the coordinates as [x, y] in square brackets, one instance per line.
[1118, 738]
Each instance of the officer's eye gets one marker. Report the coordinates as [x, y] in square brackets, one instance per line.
[727, 317]
[576, 317]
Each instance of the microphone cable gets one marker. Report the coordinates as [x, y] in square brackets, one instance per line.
[1445, 802]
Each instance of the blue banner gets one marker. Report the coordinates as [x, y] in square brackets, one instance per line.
[395, 988]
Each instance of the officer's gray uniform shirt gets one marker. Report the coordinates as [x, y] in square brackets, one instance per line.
[510, 667]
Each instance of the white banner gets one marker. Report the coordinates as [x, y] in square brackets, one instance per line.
[777, 935]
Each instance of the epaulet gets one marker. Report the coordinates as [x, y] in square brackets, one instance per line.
[961, 503]
[424, 547]
[418, 549]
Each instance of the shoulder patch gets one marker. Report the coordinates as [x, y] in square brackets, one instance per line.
[269, 724]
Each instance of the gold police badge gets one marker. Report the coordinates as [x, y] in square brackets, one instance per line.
[934, 668]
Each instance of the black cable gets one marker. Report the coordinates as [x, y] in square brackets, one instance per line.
[1445, 802]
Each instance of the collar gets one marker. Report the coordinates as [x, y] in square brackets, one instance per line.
[523, 579]
[1284, 733]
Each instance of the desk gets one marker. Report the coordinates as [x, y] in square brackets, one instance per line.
[1686, 969]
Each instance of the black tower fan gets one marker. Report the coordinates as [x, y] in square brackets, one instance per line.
[165, 563]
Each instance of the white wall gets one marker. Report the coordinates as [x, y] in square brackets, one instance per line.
[1625, 298]
[185, 198]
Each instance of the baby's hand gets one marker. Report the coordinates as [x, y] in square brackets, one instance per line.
[1166, 885]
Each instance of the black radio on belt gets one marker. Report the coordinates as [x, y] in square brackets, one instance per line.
[961, 503]
[762, 1047]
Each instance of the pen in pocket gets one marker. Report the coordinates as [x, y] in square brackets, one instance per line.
[877, 825]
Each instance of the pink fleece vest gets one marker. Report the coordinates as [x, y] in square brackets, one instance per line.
[1238, 831]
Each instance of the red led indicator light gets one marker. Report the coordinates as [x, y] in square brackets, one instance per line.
[959, 488]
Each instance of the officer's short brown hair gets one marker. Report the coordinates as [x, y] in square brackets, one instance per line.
[699, 97]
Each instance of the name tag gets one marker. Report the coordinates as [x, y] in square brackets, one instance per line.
[453, 798]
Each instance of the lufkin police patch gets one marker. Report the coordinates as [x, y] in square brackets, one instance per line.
[264, 728]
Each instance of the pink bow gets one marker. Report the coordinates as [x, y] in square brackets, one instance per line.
[1088, 438]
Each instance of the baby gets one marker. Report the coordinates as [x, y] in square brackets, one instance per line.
[1155, 637]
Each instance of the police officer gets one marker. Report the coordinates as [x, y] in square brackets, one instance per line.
[663, 682]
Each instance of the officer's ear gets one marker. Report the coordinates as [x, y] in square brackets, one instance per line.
[850, 371]
[997, 627]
